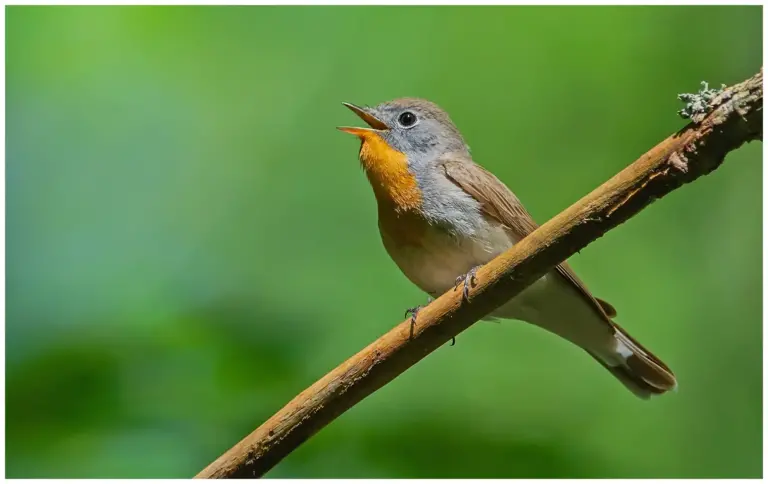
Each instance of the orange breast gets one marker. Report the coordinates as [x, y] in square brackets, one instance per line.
[397, 193]
[387, 170]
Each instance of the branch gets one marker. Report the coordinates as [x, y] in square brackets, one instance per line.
[733, 116]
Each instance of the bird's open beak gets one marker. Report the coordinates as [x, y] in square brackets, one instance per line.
[375, 123]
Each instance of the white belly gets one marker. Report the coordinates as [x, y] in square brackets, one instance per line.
[434, 264]
[551, 302]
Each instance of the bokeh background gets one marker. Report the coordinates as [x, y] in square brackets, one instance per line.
[190, 242]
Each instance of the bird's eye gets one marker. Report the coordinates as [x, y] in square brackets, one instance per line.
[407, 119]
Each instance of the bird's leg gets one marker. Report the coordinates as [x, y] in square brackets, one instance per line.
[468, 279]
[415, 310]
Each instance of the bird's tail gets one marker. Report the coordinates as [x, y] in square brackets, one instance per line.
[641, 372]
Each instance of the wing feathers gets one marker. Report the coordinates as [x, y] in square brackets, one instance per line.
[500, 203]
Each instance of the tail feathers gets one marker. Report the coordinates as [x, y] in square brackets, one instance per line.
[642, 373]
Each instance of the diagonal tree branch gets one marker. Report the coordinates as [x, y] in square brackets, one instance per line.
[729, 119]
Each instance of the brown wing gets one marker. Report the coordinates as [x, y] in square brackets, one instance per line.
[501, 204]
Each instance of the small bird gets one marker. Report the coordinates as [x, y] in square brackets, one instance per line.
[441, 215]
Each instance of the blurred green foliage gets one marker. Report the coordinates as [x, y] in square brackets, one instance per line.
[190, 243]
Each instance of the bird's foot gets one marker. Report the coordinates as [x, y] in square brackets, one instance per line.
[469, 279]
[415, 310]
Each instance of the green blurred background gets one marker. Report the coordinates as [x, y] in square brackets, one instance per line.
[190, 242]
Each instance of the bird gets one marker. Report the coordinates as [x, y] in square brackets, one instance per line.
[441, 215]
